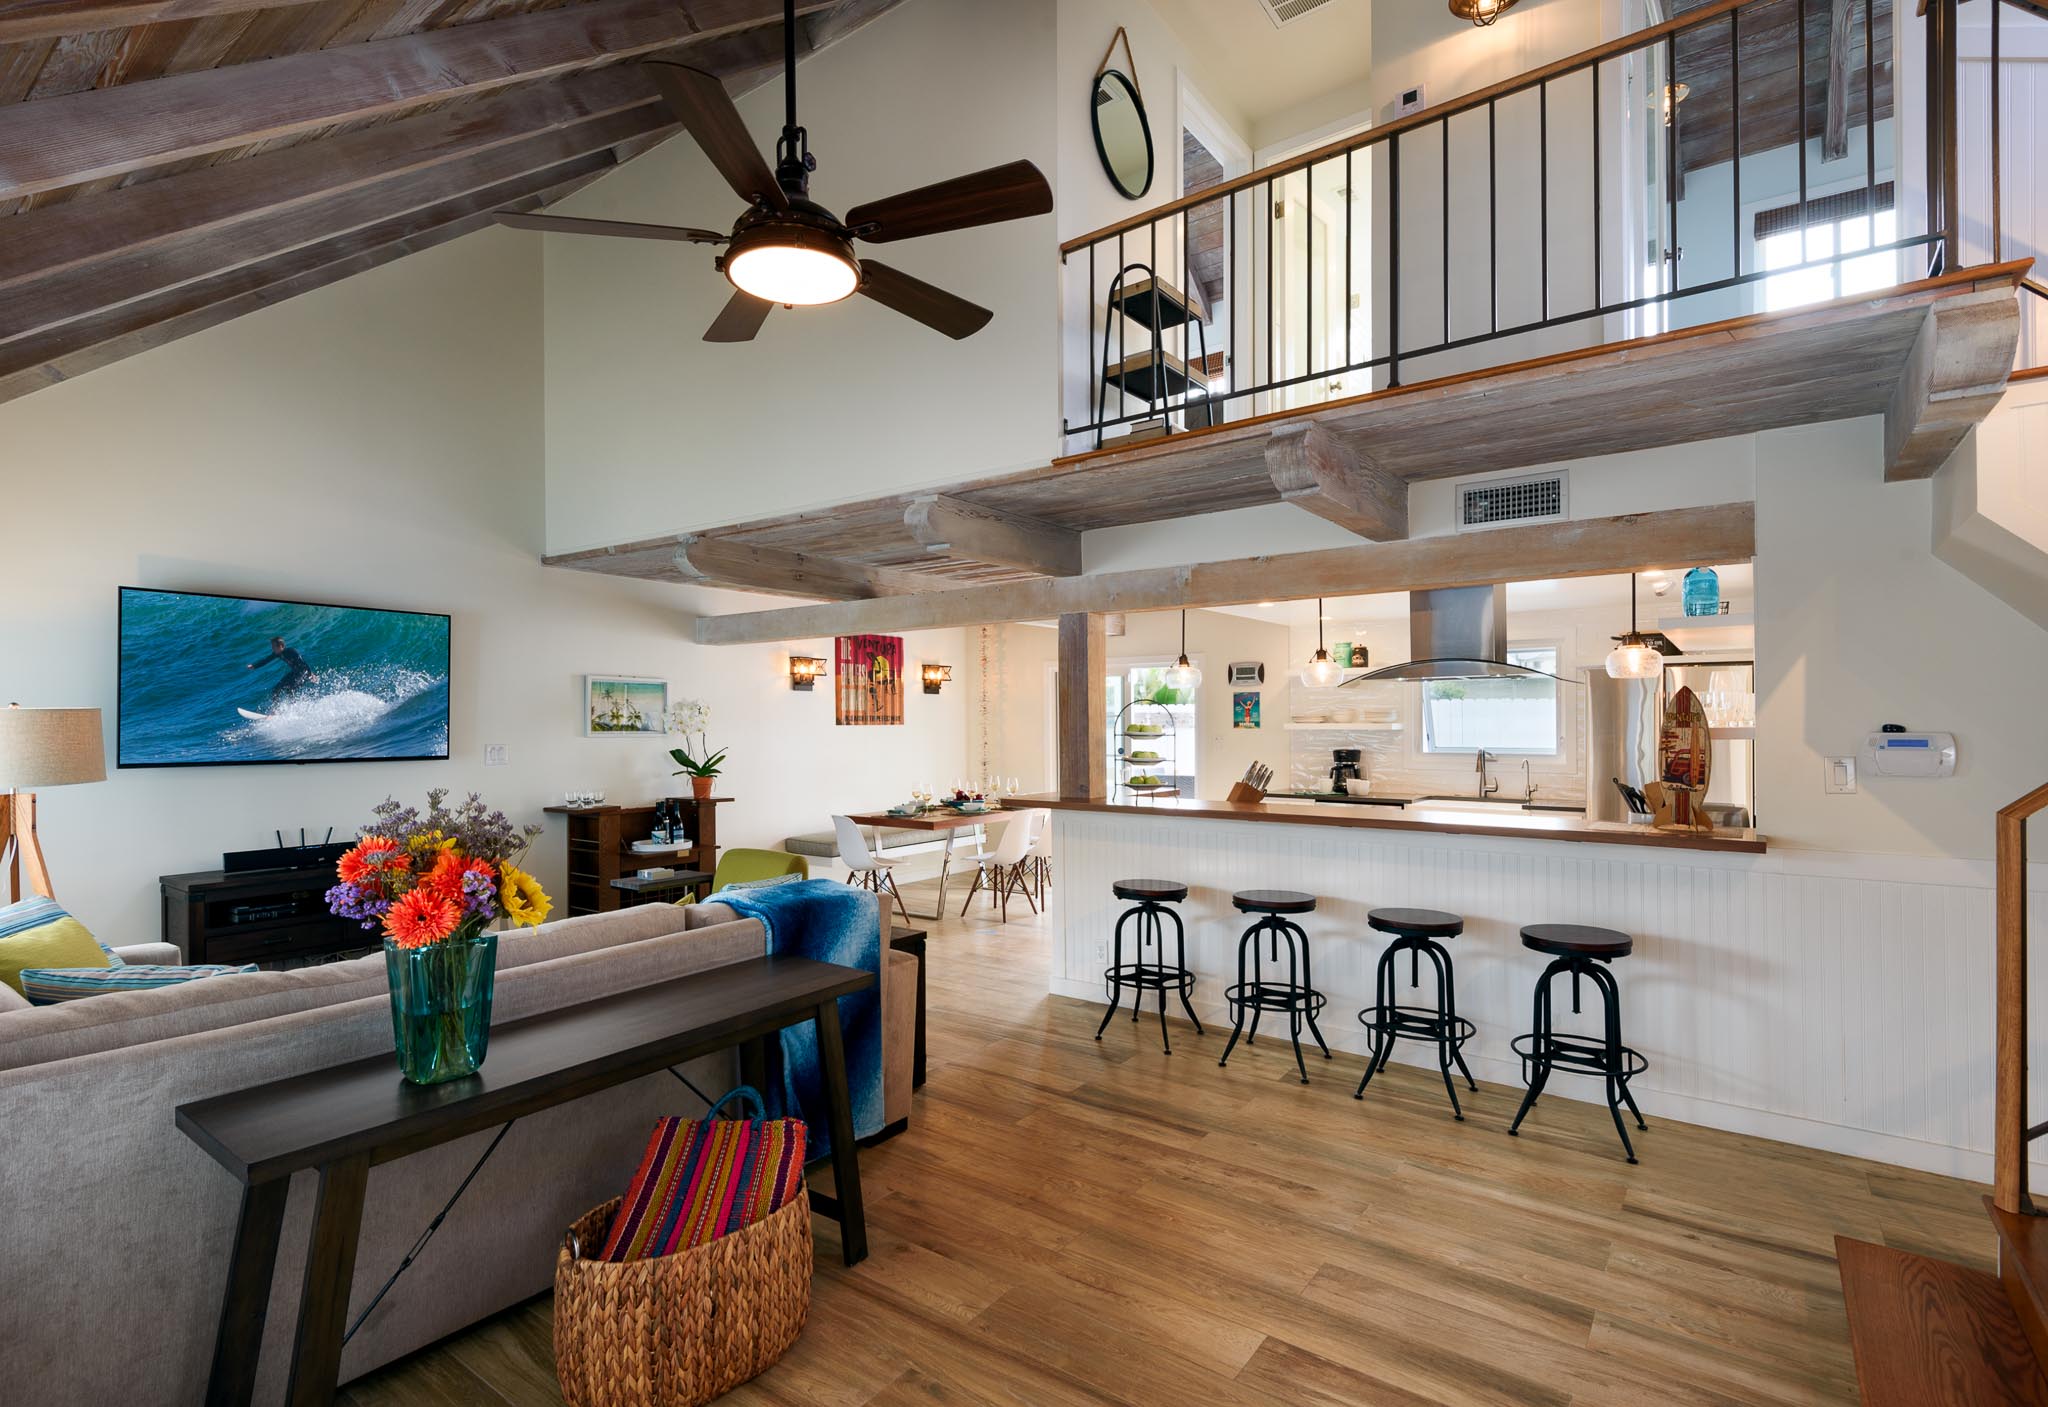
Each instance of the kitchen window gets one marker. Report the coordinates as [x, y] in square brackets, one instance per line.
[1517, 716]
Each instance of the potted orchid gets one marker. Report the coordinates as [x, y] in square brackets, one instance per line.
[436, 883]
[694, 716]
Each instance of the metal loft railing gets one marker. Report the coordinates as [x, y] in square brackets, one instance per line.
[1621, 192]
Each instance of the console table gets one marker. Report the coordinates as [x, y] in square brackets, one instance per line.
[346, 1119]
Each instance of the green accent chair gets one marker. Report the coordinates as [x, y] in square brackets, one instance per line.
[744, 866]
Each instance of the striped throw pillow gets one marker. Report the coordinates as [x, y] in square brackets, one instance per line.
[38, 933]
[702, 1179]
[46, 986]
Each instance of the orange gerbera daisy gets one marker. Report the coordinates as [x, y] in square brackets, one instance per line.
[423, 916]
[445, 878]
[371, 857]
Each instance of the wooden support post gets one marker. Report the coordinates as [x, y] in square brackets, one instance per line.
[2009, 1109]
[1841, 43]
[1084, 744]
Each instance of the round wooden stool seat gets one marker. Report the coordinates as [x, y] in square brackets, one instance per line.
[1577, 940]
[1273, 901]
[1416, 923]
[1153, 891]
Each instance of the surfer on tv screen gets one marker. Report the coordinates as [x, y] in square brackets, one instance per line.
[297, 674]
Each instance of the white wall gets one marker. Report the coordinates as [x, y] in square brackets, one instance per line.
[650, 430]
[1991, 518]
[377, 443]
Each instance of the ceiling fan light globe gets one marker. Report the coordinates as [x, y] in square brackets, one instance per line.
[791, 273]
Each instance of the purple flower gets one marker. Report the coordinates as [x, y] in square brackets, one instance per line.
[479, 896]
[352, 901]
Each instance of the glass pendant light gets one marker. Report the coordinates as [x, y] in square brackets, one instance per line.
[1322, 670]
[1183, 675]
[1633, 656]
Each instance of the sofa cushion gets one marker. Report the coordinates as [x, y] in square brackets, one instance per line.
[769, 883]
[37, 933]
[125, 1019]
[46, 986]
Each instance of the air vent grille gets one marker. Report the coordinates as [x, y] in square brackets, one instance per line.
[1493, 503]
[1282, 12]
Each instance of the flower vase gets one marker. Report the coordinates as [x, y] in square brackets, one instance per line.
[700, 787]
[441, 1005]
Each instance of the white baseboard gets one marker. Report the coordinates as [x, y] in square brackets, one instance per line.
[1731, 1118]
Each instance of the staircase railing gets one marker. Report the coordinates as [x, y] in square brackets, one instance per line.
[2011, 1133]
[1448, 234]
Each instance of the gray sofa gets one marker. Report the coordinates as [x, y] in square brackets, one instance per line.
[115, 1232]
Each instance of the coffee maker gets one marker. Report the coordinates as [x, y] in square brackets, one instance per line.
[1346, 768]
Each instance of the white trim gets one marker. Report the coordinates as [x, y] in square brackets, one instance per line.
[1349, 125]
[1198, 116]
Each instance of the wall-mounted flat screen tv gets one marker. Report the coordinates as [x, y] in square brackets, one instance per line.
[208, 681]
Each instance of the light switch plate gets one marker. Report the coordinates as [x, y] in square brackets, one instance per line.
[1838, 776]
[496, 755]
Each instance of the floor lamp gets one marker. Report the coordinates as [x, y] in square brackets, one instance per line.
[41, 747]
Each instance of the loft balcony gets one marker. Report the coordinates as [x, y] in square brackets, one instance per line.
[1759, 214]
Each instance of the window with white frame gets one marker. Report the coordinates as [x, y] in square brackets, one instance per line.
[1500, 715]
[1813, 247]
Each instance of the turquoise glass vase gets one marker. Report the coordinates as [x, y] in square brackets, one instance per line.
[441, 1005]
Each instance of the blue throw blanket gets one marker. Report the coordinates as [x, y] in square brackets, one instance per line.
[829, 922]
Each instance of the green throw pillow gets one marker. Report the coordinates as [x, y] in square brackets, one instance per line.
[37, 933]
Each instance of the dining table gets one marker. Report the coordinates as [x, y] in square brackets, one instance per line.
[942, 820]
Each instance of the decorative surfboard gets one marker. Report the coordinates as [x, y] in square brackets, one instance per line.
[1684, 760]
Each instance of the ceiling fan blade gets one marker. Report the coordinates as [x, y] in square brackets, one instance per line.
[914, 298]
[740, 319]
[701, 104]
[621, 229]
[985, 198]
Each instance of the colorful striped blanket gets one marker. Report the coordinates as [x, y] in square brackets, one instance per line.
[705, 1178]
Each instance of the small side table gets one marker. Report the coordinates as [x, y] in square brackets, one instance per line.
[911, 941]
[665, 889]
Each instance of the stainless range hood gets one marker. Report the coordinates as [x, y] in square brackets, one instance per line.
[1457, 632]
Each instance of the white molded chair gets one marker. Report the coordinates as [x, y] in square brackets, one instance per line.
[865, 870]
[1041, 854]
[1005, 867]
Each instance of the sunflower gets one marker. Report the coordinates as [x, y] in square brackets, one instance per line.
[524, 902]
[422, 917]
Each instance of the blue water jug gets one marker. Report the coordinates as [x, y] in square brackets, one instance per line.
[1702, 592]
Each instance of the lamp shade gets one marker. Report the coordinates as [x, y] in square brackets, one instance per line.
[50, 747]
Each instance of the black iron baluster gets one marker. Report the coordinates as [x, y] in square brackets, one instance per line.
[1870, 129]
[1671, 163]
[1350, 199]
[1543, 198]
[1735, 153]
[1099, 387]
[1272, 371]
[1951, 167]
[1800, 137]
[1308, 269]
[1599, 296]
[1394, 262]
[1997, 151]
[1230, 291]
[1158, 396]
[1492, 224]
[1443, 130]
[1187, 308]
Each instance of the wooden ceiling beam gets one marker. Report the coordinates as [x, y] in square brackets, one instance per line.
[1313, 469]
[56, 239]
[22, 20]
[84, 292]
[1582, 547]
[101, 133]
[731, 563]
[81, 347]
[1841, 45]
[1955, 375]
[949, 527]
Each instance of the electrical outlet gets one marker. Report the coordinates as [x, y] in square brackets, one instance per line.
[1839, 776]
[1102, 952]
[496, 755]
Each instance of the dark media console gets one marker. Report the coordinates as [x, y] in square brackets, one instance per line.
[270, 917]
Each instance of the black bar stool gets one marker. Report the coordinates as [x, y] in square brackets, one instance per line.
[1418, 933]
[1584, 953]
[1296, 996]
[1151, 896]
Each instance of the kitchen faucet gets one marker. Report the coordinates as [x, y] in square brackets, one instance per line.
[1487, 785]
[1528, 784]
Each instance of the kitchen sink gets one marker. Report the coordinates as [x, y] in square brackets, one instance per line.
[1493, 803]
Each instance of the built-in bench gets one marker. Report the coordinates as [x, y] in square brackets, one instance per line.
[896, 842]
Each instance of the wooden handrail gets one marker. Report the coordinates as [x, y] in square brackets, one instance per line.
[1507, 87]
[2009, 1120]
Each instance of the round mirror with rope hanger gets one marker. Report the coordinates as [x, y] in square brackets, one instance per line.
[1123, 135]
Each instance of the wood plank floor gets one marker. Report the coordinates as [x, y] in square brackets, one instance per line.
[1073, 1222]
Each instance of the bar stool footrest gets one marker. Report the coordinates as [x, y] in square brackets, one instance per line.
[1581, 1054]
[1271, 996]
[1150, 976]
[1414, 1023]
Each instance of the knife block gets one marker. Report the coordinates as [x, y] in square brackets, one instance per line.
[1245, 791]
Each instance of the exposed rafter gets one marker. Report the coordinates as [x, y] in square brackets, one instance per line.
[947, 527]
[47, 19]
[1584, 547]
[705, 561]
[1311, 468]
[110, 132]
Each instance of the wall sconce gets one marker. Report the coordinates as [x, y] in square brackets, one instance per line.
[936, 676]
[1480, 12]
[1674, 94]
[804, 671]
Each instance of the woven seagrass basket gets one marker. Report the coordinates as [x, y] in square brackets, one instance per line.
[678, 1330]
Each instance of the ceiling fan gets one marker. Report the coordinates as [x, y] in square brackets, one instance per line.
[787, 248]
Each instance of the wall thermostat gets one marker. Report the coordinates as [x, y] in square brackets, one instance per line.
[1901, 754]
[1247, 672]
[1410, 100]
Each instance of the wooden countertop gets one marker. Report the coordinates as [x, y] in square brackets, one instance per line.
[1512, 822]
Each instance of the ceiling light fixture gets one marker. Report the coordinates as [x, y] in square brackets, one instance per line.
[1481, 12]
[796, 265]
[1674, 94]
[1633, 656]
[1322, 671]
[1183, 675]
